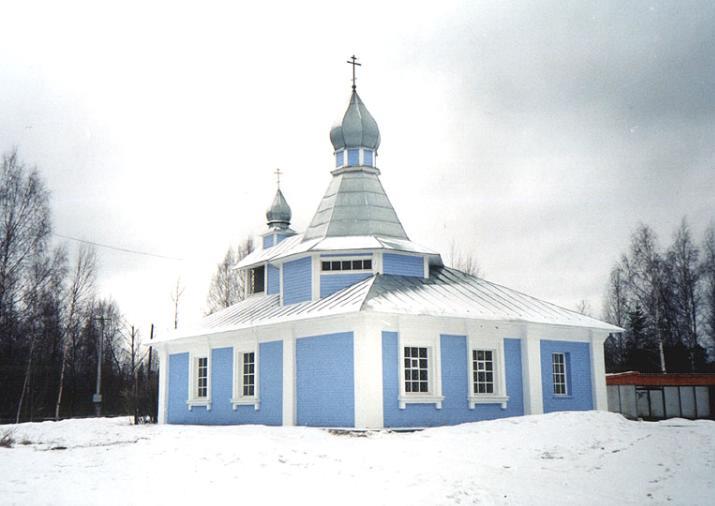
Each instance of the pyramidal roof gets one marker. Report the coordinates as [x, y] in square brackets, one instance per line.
[355, 204]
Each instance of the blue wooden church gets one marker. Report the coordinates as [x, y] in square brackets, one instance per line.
[351, 324]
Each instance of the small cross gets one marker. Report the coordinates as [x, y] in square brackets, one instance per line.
[278, 173]
[354, 63]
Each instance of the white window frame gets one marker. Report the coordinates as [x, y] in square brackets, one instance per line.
[238, 399]
[499, 396]
[343, 259]
[194, 399]
[564, 363]
[412, 338]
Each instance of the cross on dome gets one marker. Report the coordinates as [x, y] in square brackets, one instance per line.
[354, 63]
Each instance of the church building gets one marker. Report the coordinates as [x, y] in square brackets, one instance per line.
[351, 324]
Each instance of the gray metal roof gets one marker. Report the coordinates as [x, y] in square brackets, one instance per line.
[355, 204]
[357, 129]
[447, 293]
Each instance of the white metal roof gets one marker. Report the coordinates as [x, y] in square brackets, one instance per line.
[295, 245]
[447, 293]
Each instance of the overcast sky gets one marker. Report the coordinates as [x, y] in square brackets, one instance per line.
[536, 136]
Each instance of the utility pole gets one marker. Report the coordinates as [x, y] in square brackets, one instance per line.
[148, 375]
[135, 377]
[97, 397]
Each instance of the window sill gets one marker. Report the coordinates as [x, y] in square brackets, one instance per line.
[199, 402]
[561, 396]
[246, 401]
[420, 399]
[488, 399]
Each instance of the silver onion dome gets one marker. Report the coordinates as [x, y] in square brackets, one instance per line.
[357, 129]
[279, 214]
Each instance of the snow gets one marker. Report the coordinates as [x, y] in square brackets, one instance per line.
[560, 458]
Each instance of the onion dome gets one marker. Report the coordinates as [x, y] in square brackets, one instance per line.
[279, 214]
[358, 129]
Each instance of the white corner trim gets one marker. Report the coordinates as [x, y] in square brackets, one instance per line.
[488, 399]
[315, 276]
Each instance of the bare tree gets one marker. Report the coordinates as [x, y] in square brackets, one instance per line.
[707, 270]
[684, 271]
[227, 286]
[584, 307]
[175, 298]
[464, 261]
[80, 295]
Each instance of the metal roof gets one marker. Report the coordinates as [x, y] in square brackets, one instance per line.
[279, 214]
[356, 204]
[447, 293]
[357, 128]
[295, 245]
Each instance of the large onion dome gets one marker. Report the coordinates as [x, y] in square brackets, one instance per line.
[358, 129]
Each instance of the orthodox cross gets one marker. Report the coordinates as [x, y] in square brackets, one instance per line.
[278, 173]
[354, 63]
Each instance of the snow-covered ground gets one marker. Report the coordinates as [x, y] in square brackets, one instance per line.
[562, 458]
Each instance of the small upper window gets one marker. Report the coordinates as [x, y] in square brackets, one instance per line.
[483, 371]
[353, 157]
[346, 265]
[257, 279]
[416, 370]
[558, 373]
[367, 157]
[340, 158]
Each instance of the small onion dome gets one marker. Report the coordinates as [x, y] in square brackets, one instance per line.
[357, 129]
[279, 214]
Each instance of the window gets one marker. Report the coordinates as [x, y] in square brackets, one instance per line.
[558, 373]
[202, 377]
[199, 379]
[483, 371]
[416, 370]
[340, 158]
[346, 265]
[249, 374]
[256, 279]
[353, 157]
[367, 157]
[245, 376]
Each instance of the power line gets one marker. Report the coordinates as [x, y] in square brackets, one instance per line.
[117, 248]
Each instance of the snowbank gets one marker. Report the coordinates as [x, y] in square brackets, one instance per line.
[561, 458]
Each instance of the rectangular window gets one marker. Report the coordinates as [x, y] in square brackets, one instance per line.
[483, 371]
[249, 374]
[416, 370]
[346, 265]
[339, 158]
[353, 157]
[558, 373]
[257, 278]
[202, 377]
[367, 157]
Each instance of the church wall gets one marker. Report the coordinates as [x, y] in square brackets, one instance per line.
[579, 389]
[455, 384]
[331, 283]
[268, 241]
[325, 381]
[403, 265]
[270, 384]
[274, 283]
[297, 276]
